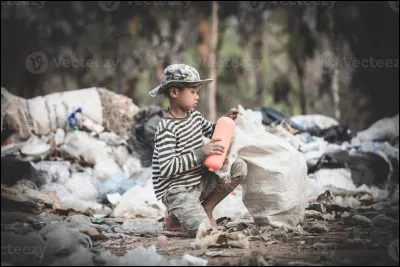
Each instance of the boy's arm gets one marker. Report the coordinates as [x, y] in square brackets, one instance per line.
[170, 163]
[208, 127]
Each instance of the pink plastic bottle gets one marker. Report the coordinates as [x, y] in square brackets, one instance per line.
[224, 129]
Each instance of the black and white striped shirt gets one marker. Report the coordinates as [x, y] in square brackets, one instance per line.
[178, 157]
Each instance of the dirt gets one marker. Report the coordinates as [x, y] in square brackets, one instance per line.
[328, 239]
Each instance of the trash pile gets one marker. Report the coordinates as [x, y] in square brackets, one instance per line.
[366, 161]
[80, 163]
[74, 152]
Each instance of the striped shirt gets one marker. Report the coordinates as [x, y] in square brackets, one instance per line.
[178, 157]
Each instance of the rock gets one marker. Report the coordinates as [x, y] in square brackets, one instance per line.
[382, 220]
[79, 221]
[358, 220]
[162, 241]
[142, 227]
[22, 249]
[317, 206]
[318, 228]
[208, 236]
[81, 257]
[48, 217]
[93, 234]
[213, 254]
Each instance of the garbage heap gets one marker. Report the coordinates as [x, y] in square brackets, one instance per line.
[74, 152]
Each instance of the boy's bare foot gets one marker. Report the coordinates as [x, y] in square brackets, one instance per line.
[209, 214]
[171, 223]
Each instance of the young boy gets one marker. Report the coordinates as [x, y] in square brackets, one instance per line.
[188, 190]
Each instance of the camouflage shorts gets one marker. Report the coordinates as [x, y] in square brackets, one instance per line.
[185, 202]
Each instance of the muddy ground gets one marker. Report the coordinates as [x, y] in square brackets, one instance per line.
[330, 235]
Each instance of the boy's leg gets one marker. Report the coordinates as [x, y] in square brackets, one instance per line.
[183, 204]
[238, 173]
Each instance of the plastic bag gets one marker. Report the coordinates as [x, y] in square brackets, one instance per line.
[275, 189]
[384, 129]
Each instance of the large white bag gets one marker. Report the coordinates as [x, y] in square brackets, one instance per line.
[45, 114]
[275, 189]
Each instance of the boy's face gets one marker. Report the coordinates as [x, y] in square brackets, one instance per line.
[187, 98]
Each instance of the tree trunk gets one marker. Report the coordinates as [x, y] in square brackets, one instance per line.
[213, 59]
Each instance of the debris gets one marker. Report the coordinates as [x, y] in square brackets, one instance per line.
[59, 137]
[35, 147]
[14, 169]
[210, 237]
[114, 198]
[11, 243]
[54, 171]
[143, 131]
[117, 111]
[112, 139]
[117, 183]
[213, 254]
[22, 198]
[318, 228]
[142, 227]
[194, 260]
[382, 220]
[357, 220]
[162, 241]
[97, 220]
[317, 206]
[288, 193]
[93, 234]
[79, 221]
[139, 202]
[141, 255]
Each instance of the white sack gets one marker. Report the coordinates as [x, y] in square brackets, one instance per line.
[275, 189]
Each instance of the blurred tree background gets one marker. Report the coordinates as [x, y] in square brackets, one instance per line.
[296, 57]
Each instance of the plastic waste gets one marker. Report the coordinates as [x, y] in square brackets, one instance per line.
[73, 121]
[224, 129]
[140, 256]
[385, 129]
[118, 183]
[195, 260]
[139, 202]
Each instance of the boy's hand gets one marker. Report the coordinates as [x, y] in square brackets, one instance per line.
[212, 148]
[233, 113]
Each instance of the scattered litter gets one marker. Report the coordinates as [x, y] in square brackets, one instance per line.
[142, 255]
[210, 237]
[213, 254]
[318, 228]
[196, 261]
[383, 220]
[162, 241]
[358, 220]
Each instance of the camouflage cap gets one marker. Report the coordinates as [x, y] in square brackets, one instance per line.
[179, 75]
